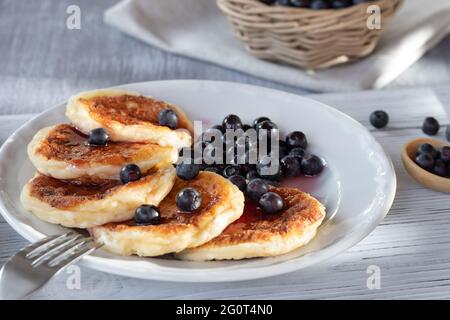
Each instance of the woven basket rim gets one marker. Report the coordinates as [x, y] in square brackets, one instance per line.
[286, 9]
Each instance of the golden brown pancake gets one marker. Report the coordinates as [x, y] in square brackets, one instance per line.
[63, 152]
[88, 201]
[222, 203]
[256, 234]
[128, 116]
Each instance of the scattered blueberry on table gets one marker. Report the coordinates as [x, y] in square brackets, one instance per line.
[430, 126]
[379, 119]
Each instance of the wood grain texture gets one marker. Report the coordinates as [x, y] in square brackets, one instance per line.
[42, 63]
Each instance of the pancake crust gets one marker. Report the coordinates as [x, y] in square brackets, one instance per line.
[87, 202]
[222, 203]
[62, 152]
[257, 234]
[128, 116]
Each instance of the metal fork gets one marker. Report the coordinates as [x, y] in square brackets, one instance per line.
[33, 266]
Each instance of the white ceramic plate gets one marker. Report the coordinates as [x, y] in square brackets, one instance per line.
[357, 187]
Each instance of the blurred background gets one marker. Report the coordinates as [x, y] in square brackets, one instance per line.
[42, 62]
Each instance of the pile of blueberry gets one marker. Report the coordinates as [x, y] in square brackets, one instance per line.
[314, 4]
[434, 161]
[251, 177]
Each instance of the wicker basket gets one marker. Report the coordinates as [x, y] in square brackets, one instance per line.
[310, 39]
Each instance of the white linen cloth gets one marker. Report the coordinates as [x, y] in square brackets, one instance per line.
[198, 29]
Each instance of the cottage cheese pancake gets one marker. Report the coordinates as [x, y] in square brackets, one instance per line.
[257, 234]
[63, 152]
[128, 116]
[222, 203]
[87, 202]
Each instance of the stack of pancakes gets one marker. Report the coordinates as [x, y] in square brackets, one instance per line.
[77, 185]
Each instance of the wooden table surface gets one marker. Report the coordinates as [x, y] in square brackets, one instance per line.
[42, 63]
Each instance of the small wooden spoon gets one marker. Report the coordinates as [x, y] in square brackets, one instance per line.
[422, 176]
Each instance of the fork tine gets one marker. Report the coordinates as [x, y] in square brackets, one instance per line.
[32, 249]
[56, 250]
[68, 252]
[73, 256]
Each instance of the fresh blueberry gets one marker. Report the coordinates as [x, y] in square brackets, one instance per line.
[168, 118]
[232, 122]
[425, 161]
[266, 125]
[311, 165]
[147, 214]
[130, 172]
[319, 4]
[430, 126]
[187, 171]
[259, 120]
[231, 170]
[300, 3]
[296, 139]
[427, 148]
[297, 152]
[379, 119]
[245, 127]
[340, 4]
[98, 137]
[290, 166]
[271, 202]
[253, 174]
[256, 188]
[239, 181]
[445, 154]
[440, 168]
[188, 199]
